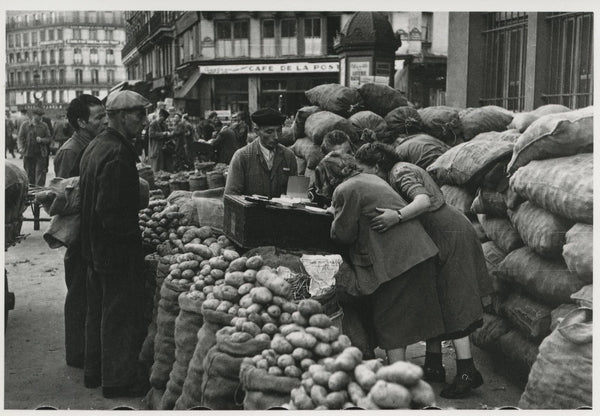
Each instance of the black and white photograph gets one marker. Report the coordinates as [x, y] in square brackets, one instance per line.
[227, 206]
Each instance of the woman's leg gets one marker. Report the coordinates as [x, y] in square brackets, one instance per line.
[396, 354]
[467, 376]
[433, 368]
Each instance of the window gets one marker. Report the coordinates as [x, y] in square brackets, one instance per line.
[34, 38]
[95, 93]
[268, 34]
[108, 17]
[109, 34]
[61, 95]
[11, 58]
[50, 34]
[43, 35]
[11, 41]
[93, 34]
[28, 97]
[35, 56]
[110, 76]
[52, 57]
[25, 39]
[232, 38]
[26, 57]
[312, 36]
[27, 78]
[59, 34]
[110, 56]
[54, 96]
[79, 76]
[95, 78]
[93, 56]
[61, 56]
[19, 78]
[44, 76]
[76, 33]
[504, 62]
[44, 61]
[18, 57]
[289, 40]
[12, 78]
[53, 76]
[61, 76]
[571, 46]
[92, 17]
[18, 40]
[77, 57]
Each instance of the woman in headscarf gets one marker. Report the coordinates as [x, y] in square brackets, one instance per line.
[394, 272]
[463, 278]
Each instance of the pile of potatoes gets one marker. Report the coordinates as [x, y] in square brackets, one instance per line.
[158, 221]
[346, 381]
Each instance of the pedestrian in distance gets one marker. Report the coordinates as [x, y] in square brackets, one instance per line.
[87, 117]
[9, 135]
[34, 144]
[112, 245]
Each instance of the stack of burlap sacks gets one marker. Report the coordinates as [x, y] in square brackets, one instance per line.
[540, 258]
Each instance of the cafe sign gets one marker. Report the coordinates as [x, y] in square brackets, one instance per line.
[274, 68]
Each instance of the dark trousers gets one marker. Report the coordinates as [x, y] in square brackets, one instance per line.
[75, 306]
[114, 330]
[36, 168]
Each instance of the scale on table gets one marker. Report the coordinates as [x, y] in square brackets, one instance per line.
[297, 194]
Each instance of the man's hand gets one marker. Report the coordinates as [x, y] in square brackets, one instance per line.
[330, 210]
[386, 219]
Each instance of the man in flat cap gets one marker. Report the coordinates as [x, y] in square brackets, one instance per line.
[34, 144]
[263, 166]
[112, 245]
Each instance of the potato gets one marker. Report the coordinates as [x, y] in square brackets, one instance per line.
[285, 360]
[188, 274]
[289, 307]
[216, 249]
[254, 262]
[208, 289]
[274, 311]
[322, 349]
[316, 368]
[301, 339]
[336, 400]
[250, 276]
[256, 358]
[278, 286]
[281, 345]
[422, 394]
[262, 364]
[322, 377]
[301, 399]
[292, 371]
[254, 308]
[279, 301]
[374, 365]
[328, 363]
[175, 273]
[218, 263]
[309, 307]
[355, 391]
[263, 276]
[261, 295]
[237, 265]
[306, 363]
[401, 372]
[270, 328]
[390, 395]
[217, 274]
[367, 404]
[242, 312]
[229, 293]
[289, 328]
[320, 334]
[246, 301]
[262, 337]
[205, 270]
[355, 352]
[300, 353]
[338, 381]
[267, 318]
[208, 241]
[320, 320]
[204, 232]
[275, 371]
[346, 361]
[244, 289]
[223, 306]
[230, 255]
[211, 304]
[254, 317]
[285, 318]
[240, 337]
[235, 279]
[307, 383]
[318, 394]
[251, 328]
[299, 319]
[364, 376]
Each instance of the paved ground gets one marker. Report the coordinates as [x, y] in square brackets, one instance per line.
[35, 372]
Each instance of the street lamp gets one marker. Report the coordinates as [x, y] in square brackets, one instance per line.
[36, 82]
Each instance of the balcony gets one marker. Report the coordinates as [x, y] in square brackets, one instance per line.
[138, 37]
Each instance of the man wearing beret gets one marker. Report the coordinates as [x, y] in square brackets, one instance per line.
[34, 144]
[112, 245]
[263, 166]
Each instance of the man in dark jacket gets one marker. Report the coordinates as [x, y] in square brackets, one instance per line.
[263, 166]
[225, 144]
[112, 244]
[62, 132]
[34, 144]
[87, 117]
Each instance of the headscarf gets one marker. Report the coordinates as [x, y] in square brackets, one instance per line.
[334, 169]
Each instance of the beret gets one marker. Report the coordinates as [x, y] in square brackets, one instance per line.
[126, 100]
[267, 117]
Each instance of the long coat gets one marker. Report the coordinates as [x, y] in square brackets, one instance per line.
[377, 257]
[157, 134]
[249, 174]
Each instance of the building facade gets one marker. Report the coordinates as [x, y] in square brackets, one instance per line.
[520, 60]
[241, 61]
[53, 56]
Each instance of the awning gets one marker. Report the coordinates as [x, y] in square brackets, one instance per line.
[188, 85]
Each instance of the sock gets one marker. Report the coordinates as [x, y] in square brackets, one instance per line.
[433, 359]
[465, 366]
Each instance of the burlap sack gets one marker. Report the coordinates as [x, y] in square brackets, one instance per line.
[459, 198]
[368, 120]
[520, 351]
[555, 135]
[301, 116]
[578, 251]
[305, 149]
[239, 349]
[484, 119]
[501, 232]
[479, 230]
[420, 149]
[317, 125]
[442, 122]
[493, 257]
[334, 97]
[509, 136]
[491, 203]
[530, 317]
[559, 313]
[523, 120]
[561, 377]
[191, 394]
[550, 282]
[263, 390]
[540, 230]
[584, 296]
[164, 342]
[404, 120]
[487, 337]
[563, 186]
[221, 389]
[381, 99]
[467, 163]
[187, 325]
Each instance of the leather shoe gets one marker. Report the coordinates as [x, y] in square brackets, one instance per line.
[134, 390]
[434, 375]
[462, 385]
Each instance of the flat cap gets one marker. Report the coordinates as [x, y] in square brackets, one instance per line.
[126, 100]
[267, 117]
[38, 110]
